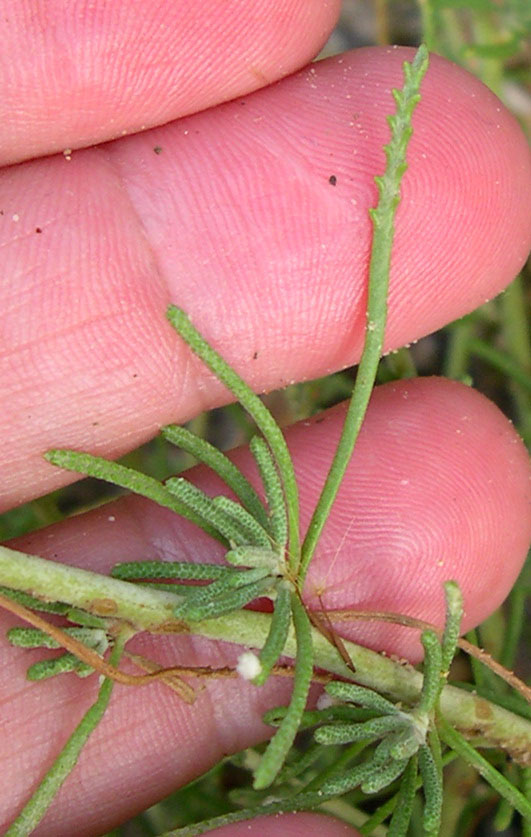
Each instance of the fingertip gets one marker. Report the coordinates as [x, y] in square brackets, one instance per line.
[92, 72]
[439, 488]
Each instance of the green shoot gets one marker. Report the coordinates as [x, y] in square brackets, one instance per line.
[383, 222]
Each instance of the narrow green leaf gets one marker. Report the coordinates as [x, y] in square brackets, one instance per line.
[255, 556]
[301, 762]
[231, 581]
[383, 811]
[312, 717]
[190, 496]
[503, 817]
[300, 802]
[34, 604]
[405, 743]
[346, 755]
[398, 827]
[525, 784]
[258, 412]
[88, 620]
[139, 570]
[342, 733]
[64, 664]
[102, 469]
[384, 775]
[278, 747]
[35, 638]
[273, 490]
[278, 633]
[351, 693]
[431, 682]
[252, 531]
[179, 590]
[209, 455]
[348, 780]
[433, 791]
[232, 600]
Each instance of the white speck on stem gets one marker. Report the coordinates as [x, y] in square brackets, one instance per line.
[248, 666]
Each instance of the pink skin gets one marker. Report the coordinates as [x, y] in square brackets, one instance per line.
[296, 825]
[235, 220]
[97, 71]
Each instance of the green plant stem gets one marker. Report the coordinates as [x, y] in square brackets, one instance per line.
[35, 809]
[383, 233]
[457, 353]
[428, 22]
[453, 738]
[515, 324]
[143, 608]
[151, 610]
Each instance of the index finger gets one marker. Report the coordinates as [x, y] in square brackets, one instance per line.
[77, 73]
[238, 222]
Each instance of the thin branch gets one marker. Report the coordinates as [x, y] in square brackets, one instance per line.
[410, 622]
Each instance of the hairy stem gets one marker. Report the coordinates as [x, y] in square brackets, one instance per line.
[151, 610]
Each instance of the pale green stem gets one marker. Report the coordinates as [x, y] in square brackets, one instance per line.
[151, 610]
[99, 594]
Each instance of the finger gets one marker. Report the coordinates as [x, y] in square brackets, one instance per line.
[288, 825]
[236, 221]
[422, 502]
[77, 74]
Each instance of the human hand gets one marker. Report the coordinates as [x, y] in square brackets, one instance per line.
[236, 220]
